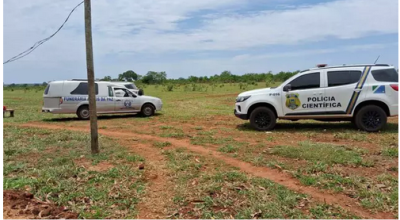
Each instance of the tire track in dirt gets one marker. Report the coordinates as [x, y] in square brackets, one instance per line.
[284, 179]
[159, 189]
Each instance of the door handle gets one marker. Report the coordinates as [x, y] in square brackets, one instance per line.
[320, 93]
[118, 100]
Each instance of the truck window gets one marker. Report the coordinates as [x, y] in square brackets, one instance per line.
[130, 86]
[82, 89]
[338, 78]
[123, 93]
[110, 92]
[386, 75]
[46, 91]
[309, 81]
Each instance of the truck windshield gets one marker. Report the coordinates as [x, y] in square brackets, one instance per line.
[130, 86]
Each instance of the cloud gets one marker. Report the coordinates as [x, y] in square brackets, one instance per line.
[152, 26]
[299, 53]
[124, 30]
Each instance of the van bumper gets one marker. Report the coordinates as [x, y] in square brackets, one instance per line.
[241, 116]
[52, 110]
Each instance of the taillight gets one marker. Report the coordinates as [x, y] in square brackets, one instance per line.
[395, 87]
[61, 101]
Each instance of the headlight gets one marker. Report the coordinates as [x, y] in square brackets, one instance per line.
[242, 98]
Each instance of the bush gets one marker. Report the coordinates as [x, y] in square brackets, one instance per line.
[170, 88]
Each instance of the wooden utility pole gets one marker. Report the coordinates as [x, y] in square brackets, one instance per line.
[90, 74]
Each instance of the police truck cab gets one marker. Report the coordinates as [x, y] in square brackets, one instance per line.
[363, 94]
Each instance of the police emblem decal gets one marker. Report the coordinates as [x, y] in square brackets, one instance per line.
[293, 101]
[127, 104]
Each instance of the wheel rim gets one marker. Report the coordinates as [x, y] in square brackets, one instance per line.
[372, 119]
[85, 113]
[148, 110]
[262, 119]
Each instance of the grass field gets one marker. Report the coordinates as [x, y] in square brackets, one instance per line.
[200, 161]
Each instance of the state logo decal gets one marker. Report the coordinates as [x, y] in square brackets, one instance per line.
[293, 101]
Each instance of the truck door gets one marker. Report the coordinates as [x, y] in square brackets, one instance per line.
[342, 89]
[125, 101]
[304, 96]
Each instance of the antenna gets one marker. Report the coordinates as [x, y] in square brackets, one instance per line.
[377, 59]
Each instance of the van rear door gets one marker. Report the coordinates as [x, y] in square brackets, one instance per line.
[50, 102]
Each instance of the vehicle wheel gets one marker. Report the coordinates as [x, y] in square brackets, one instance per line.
[83, 112]
[263, 119]
[147, 110]
[371, 118]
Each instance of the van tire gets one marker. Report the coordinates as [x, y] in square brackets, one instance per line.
[370, 118]
[147, 110]
[263, 119]
[83, 112]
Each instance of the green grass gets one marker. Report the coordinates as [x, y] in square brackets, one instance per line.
[351, 136]
[223, 192]
[378, 193]
[162, 144]
[204, 117]
[327, 153]
[228, 149]
[390, 152]
[47, 163]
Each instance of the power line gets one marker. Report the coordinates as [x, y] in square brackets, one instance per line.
[37, 44]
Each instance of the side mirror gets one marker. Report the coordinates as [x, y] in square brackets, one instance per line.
[141, 92]
[287, 88]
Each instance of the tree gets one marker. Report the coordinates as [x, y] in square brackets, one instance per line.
[128, 76]
[154, 77]
[44, 84]
[106, 78]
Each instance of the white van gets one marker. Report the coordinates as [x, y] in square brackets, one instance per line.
[71, 97]
[129, 85]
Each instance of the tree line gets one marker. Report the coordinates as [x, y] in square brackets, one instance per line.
[160, 78]
[153, 77]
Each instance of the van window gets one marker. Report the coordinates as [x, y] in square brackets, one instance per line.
[338, 78]
[385, 75]
[46, 91]
[82, 89]
[110, 92]
[309, 81]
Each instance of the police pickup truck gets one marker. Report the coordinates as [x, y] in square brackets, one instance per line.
[363, 94]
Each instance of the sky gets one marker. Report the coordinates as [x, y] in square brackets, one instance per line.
[199, 38]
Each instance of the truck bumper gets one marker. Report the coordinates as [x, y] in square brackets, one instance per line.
[241, 116]
[394, 110]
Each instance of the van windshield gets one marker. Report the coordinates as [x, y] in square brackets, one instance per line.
[46, 91]
[130, 86]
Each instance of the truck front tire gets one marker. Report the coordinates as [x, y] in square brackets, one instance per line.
[263, 119]
[370, 118]
[147, 110]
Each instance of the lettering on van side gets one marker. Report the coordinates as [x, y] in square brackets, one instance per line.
[85, 98]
